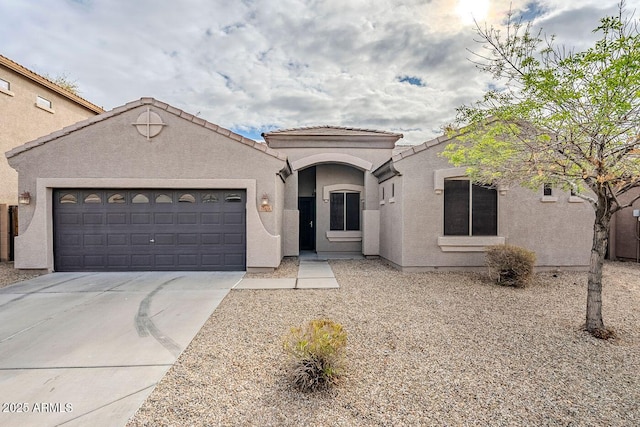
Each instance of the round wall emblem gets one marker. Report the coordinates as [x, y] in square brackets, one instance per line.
[149, 124]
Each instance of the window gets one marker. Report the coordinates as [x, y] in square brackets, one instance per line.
[232, 197]
[163, 198]
[140, 198]
[5, 87]
[344, 211]
[68, 198]
[116, 198]
[187, 198]
[469, 209]
[43, 102]
[393, 190]
[209, 198]
[93, 198]
[547, 190]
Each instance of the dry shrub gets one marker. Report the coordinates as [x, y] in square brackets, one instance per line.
[317, 353]
[510, 265]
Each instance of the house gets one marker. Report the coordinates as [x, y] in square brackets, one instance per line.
[624, 241]
[147, 186]
[30, 106]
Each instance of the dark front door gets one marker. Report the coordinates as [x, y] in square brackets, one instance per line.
[149, 229]
[307, 208]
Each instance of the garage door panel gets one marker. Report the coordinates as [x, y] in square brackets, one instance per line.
[141, 239]
[92, 218]
[233, 239]
[118, 261]
[188, 239]
[140, 218]
[117, 240]
[187, 218]
[163, 218]
[164, 239]
[69, 218]
[94, 240]
[210, 218]
[231, 218]
[116, 218]
[139, 230]
[71, 240]
[141, 260]
[94, 261]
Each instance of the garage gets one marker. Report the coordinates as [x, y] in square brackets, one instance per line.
[149, 229]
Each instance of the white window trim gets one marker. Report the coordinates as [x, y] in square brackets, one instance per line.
[548, 199]
[468, 243]
[44, 107]
[344, 188]
[8, 90]
[344, 236]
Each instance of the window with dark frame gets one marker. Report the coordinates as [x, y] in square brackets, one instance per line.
[5, 85]
[344, 211]
[470, 209]
[547, 190]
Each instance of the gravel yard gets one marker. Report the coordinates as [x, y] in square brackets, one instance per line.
[9, 275]
[423, 349]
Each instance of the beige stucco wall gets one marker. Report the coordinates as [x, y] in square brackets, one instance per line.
[111, 153]
[335, 165]
[22, 121]
[391, 220]
[331, 175]
[559, 232]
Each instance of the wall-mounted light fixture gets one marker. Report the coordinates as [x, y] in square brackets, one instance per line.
[264, 203]
[24, 198]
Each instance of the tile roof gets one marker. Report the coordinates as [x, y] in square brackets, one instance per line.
[329, 130]
[151, 102]
[14, 66]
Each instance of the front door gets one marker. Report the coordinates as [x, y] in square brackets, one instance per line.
[307, 208]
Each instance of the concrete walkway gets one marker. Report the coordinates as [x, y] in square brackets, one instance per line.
[312, 274]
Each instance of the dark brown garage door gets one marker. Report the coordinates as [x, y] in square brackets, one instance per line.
[123, 230]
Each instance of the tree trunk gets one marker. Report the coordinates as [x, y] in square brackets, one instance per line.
[594, 324]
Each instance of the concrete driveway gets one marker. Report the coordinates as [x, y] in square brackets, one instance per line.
[79, 349]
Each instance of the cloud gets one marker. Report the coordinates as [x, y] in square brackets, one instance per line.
[253, 66]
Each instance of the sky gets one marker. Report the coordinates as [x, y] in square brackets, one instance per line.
[254, 66]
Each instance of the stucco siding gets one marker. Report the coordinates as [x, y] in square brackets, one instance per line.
[327, 175]
[391, 220]
[22, 121]
[558, 232]
[112, 154]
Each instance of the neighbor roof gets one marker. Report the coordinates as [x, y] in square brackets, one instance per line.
[43, 81]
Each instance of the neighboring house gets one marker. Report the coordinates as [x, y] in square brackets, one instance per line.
[625, 230]
[147, 186]
[30, 106]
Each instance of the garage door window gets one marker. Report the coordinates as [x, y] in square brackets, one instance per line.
[233, 198]
[163, 198]
[209, 198]
[92, 198]
[140, 198]
[187, 198]
[68, 198]
[116, 198]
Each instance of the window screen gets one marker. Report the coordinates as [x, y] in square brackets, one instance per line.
[336, 221]
[456, 208]
[484, 213]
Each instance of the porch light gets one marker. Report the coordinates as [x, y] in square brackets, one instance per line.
[265, 206]
[24, 198]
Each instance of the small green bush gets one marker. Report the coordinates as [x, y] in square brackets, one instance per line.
[510, 265]
[317, 352]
